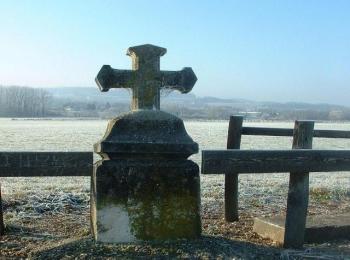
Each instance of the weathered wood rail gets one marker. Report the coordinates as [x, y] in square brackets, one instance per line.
[2, 226]
[34, 164]
[267, 131]
[272, 161]
[31, 164]
[298, 162]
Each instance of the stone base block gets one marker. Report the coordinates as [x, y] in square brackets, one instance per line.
[318, 228]
[133, 200]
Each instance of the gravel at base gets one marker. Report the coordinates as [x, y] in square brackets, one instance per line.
[54, 223]
[67, 237]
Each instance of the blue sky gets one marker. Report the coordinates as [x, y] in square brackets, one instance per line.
[260, 50]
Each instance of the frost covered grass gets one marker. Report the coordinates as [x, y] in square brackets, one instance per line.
[49, 209]
[262, 194]
[34, 197]
[49, 218]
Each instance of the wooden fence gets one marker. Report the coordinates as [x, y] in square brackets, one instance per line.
[32, 164]
[298, 162]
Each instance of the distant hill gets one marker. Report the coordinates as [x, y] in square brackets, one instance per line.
[92, 94]
[16, 101]
[89, 94]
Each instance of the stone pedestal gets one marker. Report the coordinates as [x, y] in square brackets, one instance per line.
[319, 229]
[145, 188]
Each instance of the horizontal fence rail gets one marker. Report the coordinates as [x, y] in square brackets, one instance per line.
[35, 164]
[266, 131]
[269, 161]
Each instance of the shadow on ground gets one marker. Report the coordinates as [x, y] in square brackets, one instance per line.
[205, 247]
[55, 237]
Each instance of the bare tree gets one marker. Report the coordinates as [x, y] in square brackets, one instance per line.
[23, 101]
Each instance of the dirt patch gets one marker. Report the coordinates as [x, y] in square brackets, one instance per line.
[68, 236]
[55, 224]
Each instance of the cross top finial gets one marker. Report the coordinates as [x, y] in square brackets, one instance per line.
[146, 79]
[146, 56]
[146, 50]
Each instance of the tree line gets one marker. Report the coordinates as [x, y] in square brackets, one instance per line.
[16, 101]
[23, 101]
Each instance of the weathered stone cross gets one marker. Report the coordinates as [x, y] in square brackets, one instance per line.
[146, 79]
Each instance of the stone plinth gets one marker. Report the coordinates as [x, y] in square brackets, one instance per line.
[145, 188]
[146, 200]
[318, 228]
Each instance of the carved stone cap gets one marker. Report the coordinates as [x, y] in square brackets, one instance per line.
[146, 50]
[146, 134]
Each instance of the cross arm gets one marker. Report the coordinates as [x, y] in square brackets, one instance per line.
[108, 78]
[182, 80]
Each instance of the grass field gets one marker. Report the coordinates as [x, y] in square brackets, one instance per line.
[49, 217]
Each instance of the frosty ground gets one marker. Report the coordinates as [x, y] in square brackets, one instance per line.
[49, 217]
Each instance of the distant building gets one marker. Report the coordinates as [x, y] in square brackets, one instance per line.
[250, 114]
[336, 115]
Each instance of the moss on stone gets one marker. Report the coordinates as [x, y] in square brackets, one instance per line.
[168, 218]
[162, 200]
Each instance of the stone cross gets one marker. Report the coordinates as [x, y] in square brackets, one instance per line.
[146, 79]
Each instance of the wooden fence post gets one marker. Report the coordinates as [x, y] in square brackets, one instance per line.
[298, 193]
[231, 178]
[2, 226]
